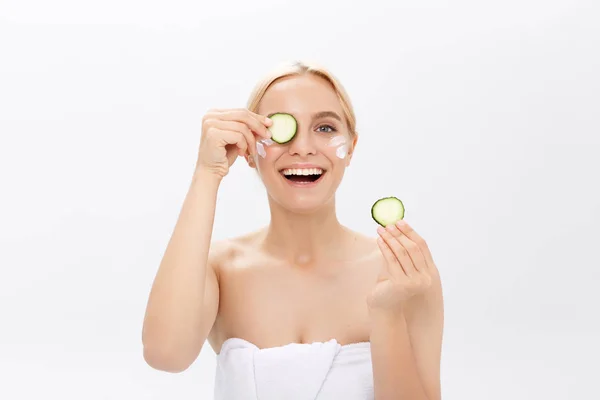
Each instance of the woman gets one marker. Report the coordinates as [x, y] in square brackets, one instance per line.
[303, 308]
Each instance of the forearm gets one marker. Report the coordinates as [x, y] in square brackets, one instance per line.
[174, 313]
[395, 371]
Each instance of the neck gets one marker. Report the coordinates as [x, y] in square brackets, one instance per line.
[302, 239]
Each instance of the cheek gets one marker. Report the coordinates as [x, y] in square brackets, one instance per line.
[338, 147]
[336, 154]
[335, 148]
[262, 145]
[260, 149]
[266, 152]
[342, 151]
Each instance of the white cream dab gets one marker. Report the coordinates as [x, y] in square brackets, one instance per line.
[342, 151]
[260, 149]
[341, 144]
[260, 146]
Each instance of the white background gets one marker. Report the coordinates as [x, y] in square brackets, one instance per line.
[482, 116]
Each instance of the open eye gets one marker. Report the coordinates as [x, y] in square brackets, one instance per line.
[328, 128]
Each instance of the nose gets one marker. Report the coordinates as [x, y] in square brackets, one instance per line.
[303, 144]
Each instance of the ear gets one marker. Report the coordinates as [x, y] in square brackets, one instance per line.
[351, 150]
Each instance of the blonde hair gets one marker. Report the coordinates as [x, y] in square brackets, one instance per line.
[299, 68]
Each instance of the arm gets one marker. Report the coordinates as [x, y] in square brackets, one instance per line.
[406, 347]
[407, 313]
[183, 301]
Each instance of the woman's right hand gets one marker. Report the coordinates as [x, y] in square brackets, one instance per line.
[227, 134]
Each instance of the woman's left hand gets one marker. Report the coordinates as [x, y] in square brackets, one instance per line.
[407, 271]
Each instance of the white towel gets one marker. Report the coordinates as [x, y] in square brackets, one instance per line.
[307, 371]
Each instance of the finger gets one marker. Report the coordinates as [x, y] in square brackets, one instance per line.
[405, 228]
[233, 137]
[262, 118]
[414, 252]
[399, 251]
[392, 265]
[256, 123]
[238, 127]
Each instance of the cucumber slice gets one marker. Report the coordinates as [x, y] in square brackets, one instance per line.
[387, 210]
[284, 127]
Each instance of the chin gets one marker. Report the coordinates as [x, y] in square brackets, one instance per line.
[301, 197]
[302, 206]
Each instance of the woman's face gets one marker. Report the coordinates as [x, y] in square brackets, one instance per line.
[322, 144]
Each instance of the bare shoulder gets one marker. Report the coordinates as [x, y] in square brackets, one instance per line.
[218, 253]
[364, 247]
[365, 254]
[224, 251]
[359, 239]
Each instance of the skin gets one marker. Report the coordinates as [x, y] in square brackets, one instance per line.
[305, 277]
[305, 258]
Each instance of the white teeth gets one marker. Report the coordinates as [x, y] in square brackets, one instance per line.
[303, 171]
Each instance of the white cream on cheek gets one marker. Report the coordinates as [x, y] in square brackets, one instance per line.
[342, 151]
[337, 141]
[341, 144]
[260, 149]
[260, 146]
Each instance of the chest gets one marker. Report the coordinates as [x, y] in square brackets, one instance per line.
[277, 304]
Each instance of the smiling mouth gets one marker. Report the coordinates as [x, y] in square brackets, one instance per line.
[309, 175]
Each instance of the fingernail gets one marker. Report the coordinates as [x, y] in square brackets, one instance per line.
[268, 120]
[400, 223]
[380, 230]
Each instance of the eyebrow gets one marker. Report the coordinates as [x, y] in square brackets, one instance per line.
[324, 114]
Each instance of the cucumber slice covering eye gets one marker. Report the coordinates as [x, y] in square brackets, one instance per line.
[284, 127]
[387, 210]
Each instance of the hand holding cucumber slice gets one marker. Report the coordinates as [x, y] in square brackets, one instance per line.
[284, 127]
[387, 211]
